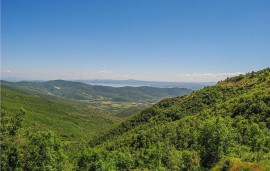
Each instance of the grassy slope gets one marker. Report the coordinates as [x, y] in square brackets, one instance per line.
[245, 96]
[67, 119]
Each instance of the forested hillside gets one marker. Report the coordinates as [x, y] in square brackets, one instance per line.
[222, 127]
[25, 114]
[59, 109]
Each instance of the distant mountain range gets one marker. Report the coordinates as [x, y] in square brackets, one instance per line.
[130, 83]
[138, 83]
[82, 91]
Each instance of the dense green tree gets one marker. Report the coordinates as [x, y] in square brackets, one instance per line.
[190, 161]
[216, 137]
[37, 151]
[90, 159]
[10, 146]
[44, 152]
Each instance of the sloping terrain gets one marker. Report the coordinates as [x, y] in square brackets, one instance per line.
[82, 91]
[223, 127]
[66, 118]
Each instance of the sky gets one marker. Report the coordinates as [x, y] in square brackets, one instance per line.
[157, 40]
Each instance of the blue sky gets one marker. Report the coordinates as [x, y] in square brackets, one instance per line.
[164, 40]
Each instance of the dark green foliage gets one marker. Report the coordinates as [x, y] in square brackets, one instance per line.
[90, 159]
[190, 160]
[197, 131]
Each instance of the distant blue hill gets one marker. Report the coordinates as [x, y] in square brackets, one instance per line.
[138, 83]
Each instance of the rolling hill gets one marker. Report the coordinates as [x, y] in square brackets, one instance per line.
[222, 127]
[82, 91]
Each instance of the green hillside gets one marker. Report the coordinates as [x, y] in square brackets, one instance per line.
[67, 119]
[82, 91]
[43, 113]
[222, 127]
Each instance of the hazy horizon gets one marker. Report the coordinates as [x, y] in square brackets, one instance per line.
[16, 79]
[175, 41]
